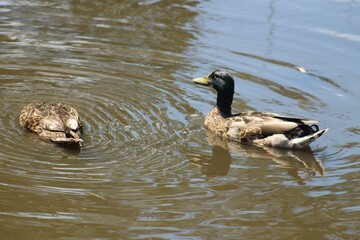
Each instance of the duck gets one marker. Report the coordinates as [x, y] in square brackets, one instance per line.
[56, 122]
[260, 128]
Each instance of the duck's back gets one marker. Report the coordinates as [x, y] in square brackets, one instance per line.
[264, 128]
[243, 126]
[52, 121]
[35, 113]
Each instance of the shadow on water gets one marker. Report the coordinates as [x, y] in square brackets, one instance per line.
[295, 162]
[69, 151]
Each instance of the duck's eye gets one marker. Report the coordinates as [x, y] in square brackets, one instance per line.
[216, 75]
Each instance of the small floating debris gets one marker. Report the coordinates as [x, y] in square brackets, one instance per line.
[300, 69]
[95, 195]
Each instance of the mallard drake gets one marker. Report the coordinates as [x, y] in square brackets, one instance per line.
[56, 122]
[260, 128]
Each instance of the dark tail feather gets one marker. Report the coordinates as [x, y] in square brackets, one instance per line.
[301, 131]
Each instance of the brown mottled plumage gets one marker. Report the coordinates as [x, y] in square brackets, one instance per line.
[56, 122]
[260, 128]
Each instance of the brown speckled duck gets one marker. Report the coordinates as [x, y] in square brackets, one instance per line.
[56, 122]
[260, 128]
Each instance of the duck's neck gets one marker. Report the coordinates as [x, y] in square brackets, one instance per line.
[223, 103]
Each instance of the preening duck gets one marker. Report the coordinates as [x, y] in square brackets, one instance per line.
[260, 128]
[56, 122]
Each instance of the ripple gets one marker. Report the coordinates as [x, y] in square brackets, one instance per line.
[131, 120]
[145, 168]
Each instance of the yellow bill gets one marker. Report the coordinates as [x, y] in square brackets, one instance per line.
[202, 80]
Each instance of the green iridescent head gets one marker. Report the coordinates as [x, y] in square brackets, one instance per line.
[223, 83]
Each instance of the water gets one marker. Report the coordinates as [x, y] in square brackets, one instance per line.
[148, 169]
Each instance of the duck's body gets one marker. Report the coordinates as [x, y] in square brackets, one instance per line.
[260, 128]
[56, 122]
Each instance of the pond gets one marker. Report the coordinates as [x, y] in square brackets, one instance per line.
[148, 169]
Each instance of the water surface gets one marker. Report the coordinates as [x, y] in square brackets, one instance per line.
[148, 169]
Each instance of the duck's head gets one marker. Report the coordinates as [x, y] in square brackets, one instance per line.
[223, 83]
[73, 128]
[220, 81]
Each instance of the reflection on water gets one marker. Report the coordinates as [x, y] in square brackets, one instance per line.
[295, 162]
[216, 165]
[70, 151]
[126, 66]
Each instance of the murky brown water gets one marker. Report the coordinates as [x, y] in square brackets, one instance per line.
[148, 169]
